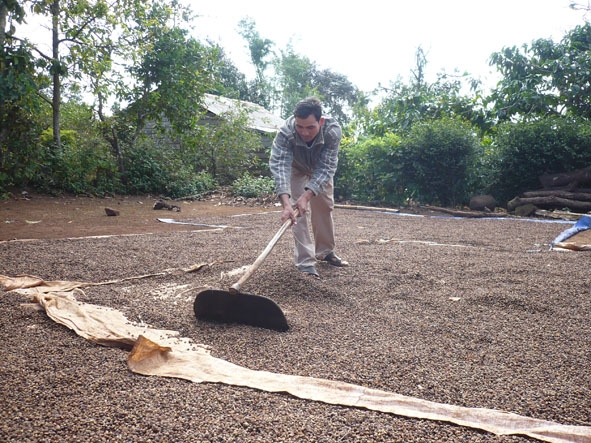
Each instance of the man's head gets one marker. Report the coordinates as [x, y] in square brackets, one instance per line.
[308, 118]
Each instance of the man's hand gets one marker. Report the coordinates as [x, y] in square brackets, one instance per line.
[301, 203]
[288, 211]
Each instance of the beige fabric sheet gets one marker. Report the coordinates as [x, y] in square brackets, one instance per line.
[163, 353]
[581, 241]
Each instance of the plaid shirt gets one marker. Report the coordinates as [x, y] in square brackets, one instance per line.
[318, 161]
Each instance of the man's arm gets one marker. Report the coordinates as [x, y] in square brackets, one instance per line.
[327, 163]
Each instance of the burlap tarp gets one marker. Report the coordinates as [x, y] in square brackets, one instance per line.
[163, 353]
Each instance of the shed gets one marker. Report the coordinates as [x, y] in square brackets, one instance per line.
[260, 119]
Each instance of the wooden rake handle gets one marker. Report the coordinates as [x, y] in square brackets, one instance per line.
[236, 287]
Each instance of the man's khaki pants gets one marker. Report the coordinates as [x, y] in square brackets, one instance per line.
[307, 251]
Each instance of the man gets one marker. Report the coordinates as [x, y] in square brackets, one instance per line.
[303, 162]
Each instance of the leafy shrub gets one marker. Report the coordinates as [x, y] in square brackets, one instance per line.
[252, 187]
[366, 170]
[152, 170]
[225, 149]
[437, 158]
[431, 164]
[522, 151]
[78, 166]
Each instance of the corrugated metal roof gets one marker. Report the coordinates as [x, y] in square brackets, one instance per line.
[259, 118]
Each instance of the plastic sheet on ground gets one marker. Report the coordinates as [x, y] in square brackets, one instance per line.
[164, 353]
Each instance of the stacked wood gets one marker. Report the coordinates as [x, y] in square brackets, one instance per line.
[578, 202]
[560, 191]
[567, 180]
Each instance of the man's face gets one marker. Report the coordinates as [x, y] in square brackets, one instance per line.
[308, 128]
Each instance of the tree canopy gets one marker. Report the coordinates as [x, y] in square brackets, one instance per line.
[545, 77]
[74, 117]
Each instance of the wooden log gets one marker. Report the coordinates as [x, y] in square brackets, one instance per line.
[580, 196]
[550, 202]
[467, 214]
[366, 208]
[572, 180]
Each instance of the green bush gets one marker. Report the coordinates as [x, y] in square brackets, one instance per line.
[150, 169]
[437, 159]
[252, 187]
[78, 166]
[523, 151]
[430, 164]
[366, 170]
[225, 149]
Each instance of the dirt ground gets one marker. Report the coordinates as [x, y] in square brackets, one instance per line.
[44, 217]
[468, 312]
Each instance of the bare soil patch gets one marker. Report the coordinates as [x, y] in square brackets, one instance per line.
[44, 217]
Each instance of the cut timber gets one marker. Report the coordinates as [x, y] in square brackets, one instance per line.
[579, 196]
[467, 214]
[550, 202]
[572, 180]
[367, 208]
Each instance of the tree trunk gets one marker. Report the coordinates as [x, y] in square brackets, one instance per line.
[568, 180]
[581, 196]
[550, 202]
[56, 72]
[3, 16]
[110, 134]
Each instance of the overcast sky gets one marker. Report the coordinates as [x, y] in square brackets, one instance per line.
[375, 41]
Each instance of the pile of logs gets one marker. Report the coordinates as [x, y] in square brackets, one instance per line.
[560, 191]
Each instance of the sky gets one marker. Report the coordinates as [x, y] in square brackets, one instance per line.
[374, 42]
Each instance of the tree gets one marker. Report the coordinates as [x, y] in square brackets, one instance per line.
[294, 80]
[164, 74]
[299, 77]
[545, 78]
[407, 104]
[437, 158]
[339, 96]
[523, 151]
[261, 50]
[226, 149]
[20, 107]
[168, 80]
[80, 43]
[229, 81]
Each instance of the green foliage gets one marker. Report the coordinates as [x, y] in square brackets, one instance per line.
[406, 104]
[545, 78]
[298, 77]
[153, 170]
[368, 170]
[522, 151]
[78, 167]
[415, 144]
[294, 80]
[21, 112]
[430, 164]
[437, 159]
[170, 78]
[252, 187]
[225, 148]
[261, 50]
[229, 81]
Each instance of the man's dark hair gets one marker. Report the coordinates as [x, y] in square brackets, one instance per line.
[307, 106]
